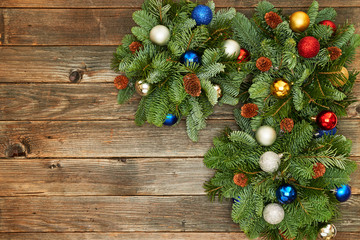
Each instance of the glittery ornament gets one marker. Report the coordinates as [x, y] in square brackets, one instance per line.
[287, 125]
[328, 232]
[273, 19]
[232, 48]
[343, 193]
[273, 213]
[280, 88]
[286, 194]
[202, 15]
[192, 85]
[249, 110]
[218, 90]
[334, 53]
[160, 35]
[121, 82]
[319, 170]
[299, 21]
[244, 55]
[330, 24]
[321, 132]
[326, 120]
[135, 46]
[142, 88]
[263, 64]
[308, 47]
[190, 57]
[240, 179]
[340, 78]
[269, 162]
[170, 119]
[265, 135]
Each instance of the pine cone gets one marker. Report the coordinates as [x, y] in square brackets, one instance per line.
[287, 125]
[240, 179]
[192, 85]
[135, 46]
[319, 170]
[121, 82]
[263, 64]
[273, 19]
[249, 110]
[334, 52]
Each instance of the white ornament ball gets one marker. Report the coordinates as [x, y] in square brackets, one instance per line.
[270, 162]
[232, 48]
[160, 35]
[265, 135]
[273, 213]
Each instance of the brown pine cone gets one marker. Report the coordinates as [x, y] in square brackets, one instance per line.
[121, 82]
[240, 179]
[135, 46]
[263, 64]
[249, 110]
[273, 19]
[192, 85]
[319, 170]
[334, 52]
[287, 125]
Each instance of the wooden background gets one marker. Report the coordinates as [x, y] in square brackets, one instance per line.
[87, 171]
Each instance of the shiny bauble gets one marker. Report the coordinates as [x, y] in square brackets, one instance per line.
[341, 79]
[190, 57]
[330, 24]
[286, 194]
[218, 90]
[273, 213]
[202, 15]
[170, 119]
[321, 132]
[328, 232]
[269, 162]
[343, 193]
[299, 21]
[232, 48]
[308, 47]
[326, 120]
[244, 55]
[280, 88]
[265, 135]
[142, 88]
[160, 35]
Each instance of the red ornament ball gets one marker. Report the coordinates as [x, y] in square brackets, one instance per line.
[326, 120]
[329, 23]
[308, 47]
[244, 56]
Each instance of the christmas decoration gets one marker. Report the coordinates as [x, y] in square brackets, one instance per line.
[135, 46]
[240, 179]
[170, 119]
[280, 88]
[266, 135]
[218, 90]
[343, 193]
[326, 120]
[202, 15]
[121, 82]
[235, 200]
[286, 194]
[249, 110]
[319, 170]
[244, 55]
[330, 24]
[341, 78]
[273, 19]
[142, 88]
[308, 47]
[160, 35]
[190, 57]
[321, 132]
[263, 64]
[334, 52]
[232, 48]
[273, 213]
[192, 85]
[287, 125]
[299, 21]
[328, 232]
[270, 162]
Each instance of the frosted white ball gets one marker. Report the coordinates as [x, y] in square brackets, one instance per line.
[265, 135]
[232, 48]
[273, 213]
[160, 35]
[269, 162]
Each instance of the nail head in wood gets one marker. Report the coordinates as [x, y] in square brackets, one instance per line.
[75, 76]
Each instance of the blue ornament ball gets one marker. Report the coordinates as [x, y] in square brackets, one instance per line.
[286, 194]
[236, 200]
[170, 119]
[320, 133]
[190, 57]
[202, 15]
[343, 193]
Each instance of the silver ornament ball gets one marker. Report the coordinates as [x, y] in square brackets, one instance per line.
[160, 35]
[232, 48]
[218, 90]
[142, 88]
[328, 232]
[273, 213]
[265, 135]
[270, 161]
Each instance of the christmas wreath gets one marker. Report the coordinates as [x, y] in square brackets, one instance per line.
[285, 172]
[181, 60]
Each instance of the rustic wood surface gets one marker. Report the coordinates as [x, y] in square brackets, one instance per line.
[73, 165]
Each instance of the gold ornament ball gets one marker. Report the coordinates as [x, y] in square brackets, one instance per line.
[218, 90]
[328, 232]
[342, 79]
[299, 21]
[142, 88]
[280, 88]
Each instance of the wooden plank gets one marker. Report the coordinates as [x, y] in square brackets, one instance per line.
[113, 177]
[122, 138]
[89, 26]
[128, 214]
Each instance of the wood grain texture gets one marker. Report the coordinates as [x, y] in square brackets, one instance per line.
[128, 214]
[89, 26]
[124, 139]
